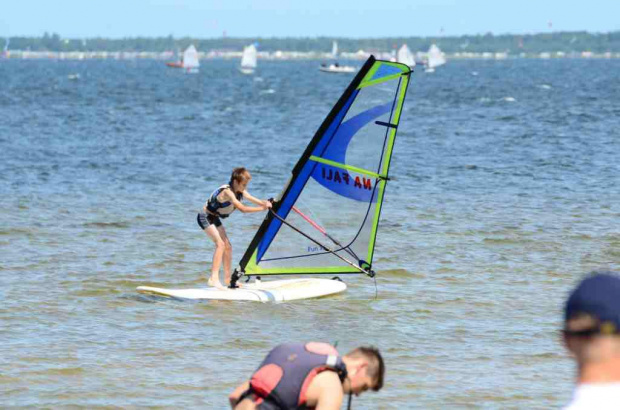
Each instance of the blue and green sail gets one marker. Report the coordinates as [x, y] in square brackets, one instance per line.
[335, 193]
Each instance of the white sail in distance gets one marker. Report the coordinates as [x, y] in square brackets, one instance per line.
[190, 58]
[335, 49]
[405, 56]
[435, 57]
[248, 59]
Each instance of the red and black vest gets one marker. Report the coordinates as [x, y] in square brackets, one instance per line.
[283, 378]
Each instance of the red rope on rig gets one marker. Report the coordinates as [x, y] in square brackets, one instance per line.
[310, 221]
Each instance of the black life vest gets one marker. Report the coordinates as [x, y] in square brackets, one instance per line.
[221, 209]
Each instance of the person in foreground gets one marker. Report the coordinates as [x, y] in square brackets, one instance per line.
[310, 375]
[592, 335]
[222, 202]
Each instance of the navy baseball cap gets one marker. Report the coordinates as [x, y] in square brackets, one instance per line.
[598, 295]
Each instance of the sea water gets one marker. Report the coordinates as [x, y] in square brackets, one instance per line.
[504, 192]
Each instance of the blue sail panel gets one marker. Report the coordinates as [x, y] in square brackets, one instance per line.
[385, 71]
[345, 183]
[342, 181]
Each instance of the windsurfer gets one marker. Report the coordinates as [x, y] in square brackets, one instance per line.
[222, 202]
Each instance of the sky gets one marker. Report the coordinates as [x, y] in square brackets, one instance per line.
[307, 18]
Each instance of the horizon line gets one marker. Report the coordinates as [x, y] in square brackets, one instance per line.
[317, 37]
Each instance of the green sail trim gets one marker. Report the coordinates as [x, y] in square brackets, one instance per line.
[379, 81]
[253, 269]
[386, 164]
[347, 167]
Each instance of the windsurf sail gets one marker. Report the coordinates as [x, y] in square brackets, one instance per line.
[325, 219]
[435, 57]
[248, 59]
[190, 58]
[334, 49]
[405, 56]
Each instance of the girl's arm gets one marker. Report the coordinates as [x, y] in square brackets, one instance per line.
[228, 193]
[259, 202]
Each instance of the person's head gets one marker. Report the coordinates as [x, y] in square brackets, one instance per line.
[592, 318]
[239, 179]
[365, 370]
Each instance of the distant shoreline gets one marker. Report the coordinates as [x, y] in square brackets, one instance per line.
[560, 44]
[286, 56]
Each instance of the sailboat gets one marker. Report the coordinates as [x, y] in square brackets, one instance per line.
[405, 56]
[189, 61]
[335, 67]
[248, 59]
[5, 52]
[435, 59]
[325, 219]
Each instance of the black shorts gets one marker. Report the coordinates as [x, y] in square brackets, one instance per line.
[204, 220]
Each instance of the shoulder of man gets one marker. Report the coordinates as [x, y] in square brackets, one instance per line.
[326, 389]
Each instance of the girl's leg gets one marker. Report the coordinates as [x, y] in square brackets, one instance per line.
[213, 233]
[227, 259]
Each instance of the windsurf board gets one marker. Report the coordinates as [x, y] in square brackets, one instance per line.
[259, 291]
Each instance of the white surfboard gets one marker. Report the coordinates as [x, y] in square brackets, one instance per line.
[268, 291]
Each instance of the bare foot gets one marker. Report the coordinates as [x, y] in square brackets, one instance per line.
[216, 284]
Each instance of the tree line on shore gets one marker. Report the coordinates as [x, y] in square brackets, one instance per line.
[511, 43]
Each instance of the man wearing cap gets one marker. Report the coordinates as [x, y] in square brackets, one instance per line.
[592, 335]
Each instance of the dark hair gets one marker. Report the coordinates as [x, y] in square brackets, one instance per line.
[240, 174]
[376, 367]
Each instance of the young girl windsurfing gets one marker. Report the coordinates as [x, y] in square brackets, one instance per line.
[222, 202]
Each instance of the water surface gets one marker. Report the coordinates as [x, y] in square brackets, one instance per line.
[505, 191]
